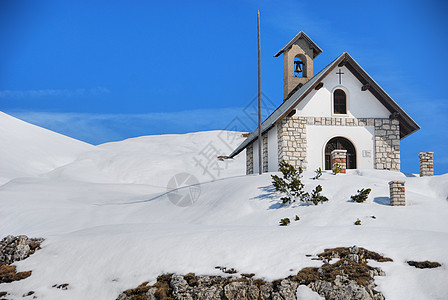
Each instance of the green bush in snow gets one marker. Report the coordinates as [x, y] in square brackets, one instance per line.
[285, 222]
[318, 173]
[361, 196]
[292, 188]
[316, 197]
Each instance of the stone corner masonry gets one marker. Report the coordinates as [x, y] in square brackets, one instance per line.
[250, 159]
[387, 144]
[292, 141]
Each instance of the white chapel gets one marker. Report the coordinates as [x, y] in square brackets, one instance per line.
[339, 111]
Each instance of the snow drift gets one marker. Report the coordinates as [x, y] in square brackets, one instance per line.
[109, 223]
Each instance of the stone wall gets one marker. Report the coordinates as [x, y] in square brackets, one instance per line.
[426, 163]
[340, 121]
[250, 159]
[387, 144]
[250, 156]
[292, 142]
[397, 193]
[265, 151]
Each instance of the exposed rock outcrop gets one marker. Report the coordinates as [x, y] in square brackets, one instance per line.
[348, 278]
[424, 264]
[15, 248]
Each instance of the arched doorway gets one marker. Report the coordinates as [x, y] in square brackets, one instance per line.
[340, 143]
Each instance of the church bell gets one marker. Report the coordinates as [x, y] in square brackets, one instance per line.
[298, 66]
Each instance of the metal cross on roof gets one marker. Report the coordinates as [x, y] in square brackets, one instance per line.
[340, 74]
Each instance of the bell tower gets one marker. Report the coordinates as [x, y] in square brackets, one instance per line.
[298, 56]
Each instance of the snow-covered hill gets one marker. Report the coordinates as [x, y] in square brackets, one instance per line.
[156, 159]
[29, 150]
[110, 223]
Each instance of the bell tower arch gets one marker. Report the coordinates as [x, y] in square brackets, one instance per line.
[298, 56]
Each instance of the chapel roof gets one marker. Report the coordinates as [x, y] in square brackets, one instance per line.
[301, 35]
[407, 124]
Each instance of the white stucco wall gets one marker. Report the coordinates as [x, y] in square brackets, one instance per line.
[361, 137]
[272, 150]
[359, 104]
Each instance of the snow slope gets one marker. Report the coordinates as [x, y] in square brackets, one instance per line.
[109, 223]
[29, 150]
[156, 159]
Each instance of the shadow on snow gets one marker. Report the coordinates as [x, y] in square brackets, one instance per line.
[269, 193]
[382, 200]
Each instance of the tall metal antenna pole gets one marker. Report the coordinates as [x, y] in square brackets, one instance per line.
[260, 141]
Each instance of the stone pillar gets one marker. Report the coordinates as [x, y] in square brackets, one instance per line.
[339, 157]
[265, 151]
[250, 159]
[397, 193]
[292, 142]
[426, 163]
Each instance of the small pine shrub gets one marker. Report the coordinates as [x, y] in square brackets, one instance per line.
[296, 218]
[337, 168]
[318, 173]
[292, 187]
[285, 222]
[316, 197]
[358, 222]
[362, 195]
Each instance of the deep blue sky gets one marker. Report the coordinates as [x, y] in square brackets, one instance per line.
[107, 70]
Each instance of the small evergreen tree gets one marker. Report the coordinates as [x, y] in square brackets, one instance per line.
[292, 187]
[316, 197]
[318, 173]
[362, 195]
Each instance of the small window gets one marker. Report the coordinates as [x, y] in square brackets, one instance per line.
[339, 102]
